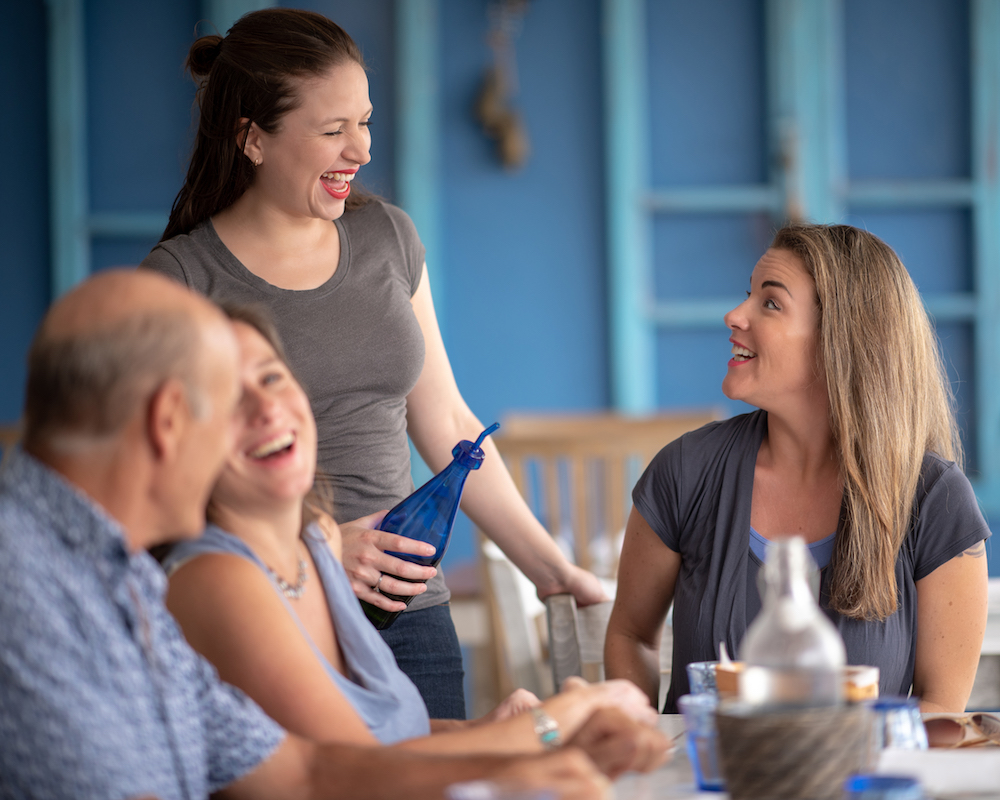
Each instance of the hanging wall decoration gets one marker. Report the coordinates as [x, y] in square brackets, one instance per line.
[495, 110]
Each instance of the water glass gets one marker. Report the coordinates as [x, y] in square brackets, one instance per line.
[882, 787]
[702, 739]
[701, 677]
[897, 724]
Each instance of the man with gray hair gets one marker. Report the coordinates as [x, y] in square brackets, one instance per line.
[131, 389]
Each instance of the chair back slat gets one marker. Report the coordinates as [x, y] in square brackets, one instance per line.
[579, 520]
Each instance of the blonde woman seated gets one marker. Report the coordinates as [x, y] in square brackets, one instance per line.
[854, 447]
[264, 597]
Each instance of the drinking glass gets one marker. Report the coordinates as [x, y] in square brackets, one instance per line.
[701, 677]
[882, 787]
[897, 724]
[702, 739]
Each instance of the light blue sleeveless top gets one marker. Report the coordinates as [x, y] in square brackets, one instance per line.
[380, 692]
[821, 551]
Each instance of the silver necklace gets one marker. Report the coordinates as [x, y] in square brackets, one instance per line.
[291, 591]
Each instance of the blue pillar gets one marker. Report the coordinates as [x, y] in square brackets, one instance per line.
[805, 76]
[630, 289]
[418, 136]
[418, 130]
[68, 203]
[985, 37]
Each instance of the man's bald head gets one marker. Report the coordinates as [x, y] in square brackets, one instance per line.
[104, 348]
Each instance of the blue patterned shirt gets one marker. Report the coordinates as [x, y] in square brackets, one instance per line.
[100, 695]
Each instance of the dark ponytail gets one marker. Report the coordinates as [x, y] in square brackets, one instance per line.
[250, 74]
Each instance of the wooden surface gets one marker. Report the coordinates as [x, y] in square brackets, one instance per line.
[576, 638]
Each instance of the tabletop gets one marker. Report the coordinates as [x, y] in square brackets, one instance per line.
[969, 774]
[674, 780]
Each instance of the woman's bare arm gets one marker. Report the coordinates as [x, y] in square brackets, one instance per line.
[303, 770]
[570, 709]
[952, 606]
[647, 574]
[231, 614]
[437, 417]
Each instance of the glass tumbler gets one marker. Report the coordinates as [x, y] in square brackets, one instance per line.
[701, 677]
[896, 723]
[702, 739]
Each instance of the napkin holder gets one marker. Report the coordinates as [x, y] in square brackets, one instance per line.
[791, 754]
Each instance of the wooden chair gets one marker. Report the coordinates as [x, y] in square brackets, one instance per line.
[516, 619]
[576, 641]
[576, 637]
[576, 472]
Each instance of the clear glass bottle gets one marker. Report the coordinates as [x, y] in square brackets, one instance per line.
[428, 515]
[794, 655]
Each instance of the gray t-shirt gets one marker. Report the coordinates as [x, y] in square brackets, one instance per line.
[696, 496]
[354, 343]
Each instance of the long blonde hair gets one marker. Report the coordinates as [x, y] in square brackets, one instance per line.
[890, 402]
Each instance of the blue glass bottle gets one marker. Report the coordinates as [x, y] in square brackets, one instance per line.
[428, 515]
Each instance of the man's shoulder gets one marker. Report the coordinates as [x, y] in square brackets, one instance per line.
[25, 534]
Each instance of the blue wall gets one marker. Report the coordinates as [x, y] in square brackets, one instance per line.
[524, 252]
[525, 319]
[522, 256]
[908, 117]
[24, 275]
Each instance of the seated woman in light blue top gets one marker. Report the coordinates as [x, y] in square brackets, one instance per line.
[385, 699]
[264, 597]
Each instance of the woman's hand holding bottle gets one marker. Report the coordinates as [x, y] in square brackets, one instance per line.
[368, 565]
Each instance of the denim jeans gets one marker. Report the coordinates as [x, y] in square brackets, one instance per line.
[426, 649]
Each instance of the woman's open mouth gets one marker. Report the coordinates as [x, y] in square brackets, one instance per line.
[274, 448]
[338, 184]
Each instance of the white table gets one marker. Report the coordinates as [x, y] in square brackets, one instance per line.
[972, 774]
[673, 780]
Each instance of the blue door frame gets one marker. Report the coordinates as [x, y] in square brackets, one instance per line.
[808, 181]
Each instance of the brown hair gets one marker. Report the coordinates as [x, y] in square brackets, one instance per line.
[251, 75]
[890, 402]
[319, 501]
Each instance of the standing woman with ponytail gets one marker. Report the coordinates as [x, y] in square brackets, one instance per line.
[268, 215]
[854, 448]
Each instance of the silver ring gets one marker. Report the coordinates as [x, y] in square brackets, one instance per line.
[375, 587]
